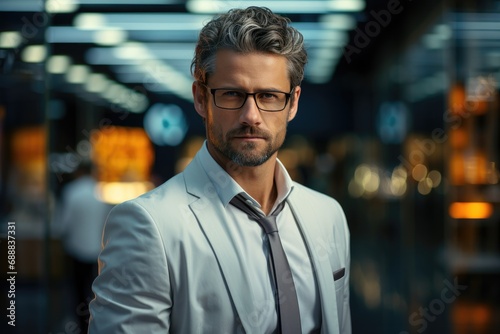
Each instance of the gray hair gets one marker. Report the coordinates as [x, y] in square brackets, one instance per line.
[254, 29]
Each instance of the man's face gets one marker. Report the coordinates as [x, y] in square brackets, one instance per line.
[246, 136]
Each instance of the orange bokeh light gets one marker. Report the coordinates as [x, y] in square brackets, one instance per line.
[471, 210]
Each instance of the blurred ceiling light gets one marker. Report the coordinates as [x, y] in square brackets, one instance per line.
[291, 6]
[129, 2]
[438, 38]
[337, 21]
[58, 64]
[479, 34]
[161, 36]
[346, 5]
[10, 39]
[77, 74]
[319, 73]
[444, 31]
[112, 91]
[90, 21]
[133, 101]
[157, 76]
[154, 75]
[139, 103]
[61, 6]
[131, 50]
[68, 35]
[168, 78]
[470, 210]
[110, 37]
[20, 6]
[96, 82]
[477, 25]
[140, 21]
[328, 54]
[318, 78]
[126, 98]
[313, 33]
[118, 94]
[72, 35]
[432, 41]
[34, 54]
[136, 52]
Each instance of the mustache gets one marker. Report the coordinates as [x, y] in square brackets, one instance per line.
[248, 131]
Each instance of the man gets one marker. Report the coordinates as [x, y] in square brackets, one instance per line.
[185, 258]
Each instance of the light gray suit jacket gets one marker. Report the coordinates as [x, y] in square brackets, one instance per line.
[168, 265]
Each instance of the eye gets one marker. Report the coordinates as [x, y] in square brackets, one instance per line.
[231, 93]
[268, 96]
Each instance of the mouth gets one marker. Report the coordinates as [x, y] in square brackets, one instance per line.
[251, 135]
[248, 134]
[250, 138]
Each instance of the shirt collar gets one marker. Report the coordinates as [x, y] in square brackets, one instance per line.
[226, 187]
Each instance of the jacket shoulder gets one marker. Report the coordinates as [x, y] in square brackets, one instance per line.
[319, 207]
[164, 198]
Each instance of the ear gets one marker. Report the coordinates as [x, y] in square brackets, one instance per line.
[199, 96]
[294, 106]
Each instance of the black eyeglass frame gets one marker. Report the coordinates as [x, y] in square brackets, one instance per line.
[287, 97]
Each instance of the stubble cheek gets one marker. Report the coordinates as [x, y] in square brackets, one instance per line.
[280, 138]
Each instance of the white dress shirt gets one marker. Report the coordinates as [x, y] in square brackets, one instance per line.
[250, 242]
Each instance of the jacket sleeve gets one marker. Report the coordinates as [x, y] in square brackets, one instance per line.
[132, 291]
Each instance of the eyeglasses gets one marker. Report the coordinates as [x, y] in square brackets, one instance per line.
[233, 99]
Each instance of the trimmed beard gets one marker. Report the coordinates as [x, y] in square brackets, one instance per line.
[246, 156]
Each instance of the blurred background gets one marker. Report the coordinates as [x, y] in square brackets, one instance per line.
[398, 120]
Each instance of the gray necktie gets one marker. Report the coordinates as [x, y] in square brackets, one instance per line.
[286, 301]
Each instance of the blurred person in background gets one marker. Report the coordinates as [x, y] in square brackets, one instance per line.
[82, 218]
[189, 256]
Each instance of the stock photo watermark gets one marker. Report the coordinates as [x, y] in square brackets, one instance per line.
[11, 273]
[421, 318]
[371, 29]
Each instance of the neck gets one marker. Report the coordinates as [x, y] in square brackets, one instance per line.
[257, 181]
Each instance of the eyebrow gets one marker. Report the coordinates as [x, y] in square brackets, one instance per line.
[267, 89]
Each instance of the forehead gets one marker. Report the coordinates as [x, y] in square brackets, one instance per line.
[248, 70]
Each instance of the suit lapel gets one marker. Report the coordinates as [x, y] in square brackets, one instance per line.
[314, 239]
[211, 216]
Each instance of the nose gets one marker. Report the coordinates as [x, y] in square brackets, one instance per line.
[250, 114]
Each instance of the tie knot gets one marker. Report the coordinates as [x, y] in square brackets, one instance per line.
[268, 223]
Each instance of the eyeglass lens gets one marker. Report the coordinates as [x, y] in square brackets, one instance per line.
[232, 99]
